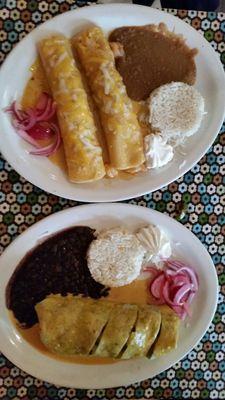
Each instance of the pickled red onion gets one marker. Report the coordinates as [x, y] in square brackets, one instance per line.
[51, 148]
[175, 286]
[180, 294]
[27, 123]
[157, 286]
[45, 108]
[184, 268]
[25, 136]
[32, 124]
[14, 109]
[41, 131]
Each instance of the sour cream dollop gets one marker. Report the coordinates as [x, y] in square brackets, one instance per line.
[157, 151]
[156, 243]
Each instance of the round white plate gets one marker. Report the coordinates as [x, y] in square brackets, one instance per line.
[41, 172]
[99, 216]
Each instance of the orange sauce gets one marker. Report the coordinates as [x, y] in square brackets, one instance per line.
[135, 293]
[32, 336]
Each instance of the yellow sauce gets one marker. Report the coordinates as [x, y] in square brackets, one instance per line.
[36, 85]
[136, 293]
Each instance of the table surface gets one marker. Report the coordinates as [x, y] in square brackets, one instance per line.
[200, 374]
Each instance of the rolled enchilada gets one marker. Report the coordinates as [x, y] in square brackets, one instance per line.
[117, 330]
[82, 326]
[123, 134]
[145, 333]
[169, 332]
[82, 150]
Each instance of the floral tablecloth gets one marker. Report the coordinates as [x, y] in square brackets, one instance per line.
[200, 375]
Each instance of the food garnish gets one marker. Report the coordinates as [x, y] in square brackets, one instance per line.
[176, 285]
[157, 151]
[34, 124]
[156, 243]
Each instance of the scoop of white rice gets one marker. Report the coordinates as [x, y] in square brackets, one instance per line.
[115, 257]
[176, 109]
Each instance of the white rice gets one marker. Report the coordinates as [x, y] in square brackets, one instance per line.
[176, 110]
[115, 257]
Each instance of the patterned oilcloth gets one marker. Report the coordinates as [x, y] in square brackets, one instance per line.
[200, 375]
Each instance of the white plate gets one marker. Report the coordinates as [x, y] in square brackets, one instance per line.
[185, 245]
[41, 172]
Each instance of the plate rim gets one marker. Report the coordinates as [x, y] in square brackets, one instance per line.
[114, 206]
[132, 192]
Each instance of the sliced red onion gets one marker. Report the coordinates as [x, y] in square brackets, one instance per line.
[192, 275]
[179, 279]
[48, 113]
[166, 294]
[174, 289]
[44, 111]
[25, 124]
[16, 111]
[180, 311]
[157, 286]
[42, 101]
[41, 131]
[181, 292]
[45, 108]
[175, 286]
[24, 135]
[28, 128]
[183, 268]
[191, 296]
[51, 148]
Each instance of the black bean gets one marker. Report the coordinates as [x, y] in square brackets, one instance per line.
[57, 265]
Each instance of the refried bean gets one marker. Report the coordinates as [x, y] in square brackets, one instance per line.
[58, 265]
[153, 56]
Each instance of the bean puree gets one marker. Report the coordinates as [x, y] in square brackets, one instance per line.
[152, 57]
